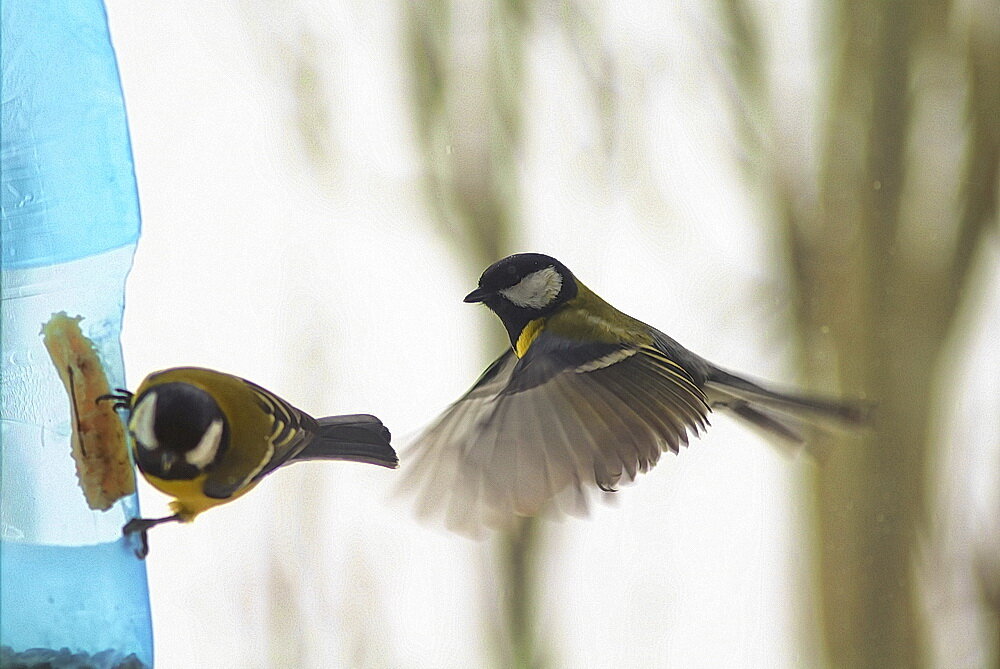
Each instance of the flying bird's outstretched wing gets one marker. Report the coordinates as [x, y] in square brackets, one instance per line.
[548, 427]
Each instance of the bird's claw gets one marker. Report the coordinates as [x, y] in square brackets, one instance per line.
[122, 399]
[139, 526]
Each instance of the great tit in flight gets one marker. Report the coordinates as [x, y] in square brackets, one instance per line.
[585, 396]
[206, 438]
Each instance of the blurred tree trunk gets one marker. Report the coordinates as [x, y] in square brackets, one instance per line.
[888, 308]
[467, 66]
[879, 275]
[856, 307]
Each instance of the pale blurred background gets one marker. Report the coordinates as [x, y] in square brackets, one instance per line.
[802, 191]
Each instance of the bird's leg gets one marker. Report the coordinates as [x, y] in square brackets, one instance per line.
[141, 526]
[122, 399]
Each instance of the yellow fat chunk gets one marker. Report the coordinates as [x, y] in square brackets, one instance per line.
[99, 448]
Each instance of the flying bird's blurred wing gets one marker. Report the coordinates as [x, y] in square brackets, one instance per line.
[545, 428]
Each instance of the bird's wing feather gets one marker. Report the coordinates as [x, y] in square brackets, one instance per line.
[288, 432]
[547, 427]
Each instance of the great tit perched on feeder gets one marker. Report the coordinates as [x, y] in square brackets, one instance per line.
[207, 438]
[585, 396]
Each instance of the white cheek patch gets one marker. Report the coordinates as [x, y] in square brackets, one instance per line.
[140, 424]
[536, 290]
[203, 454]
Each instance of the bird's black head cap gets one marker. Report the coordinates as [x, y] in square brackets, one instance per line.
[523, 287]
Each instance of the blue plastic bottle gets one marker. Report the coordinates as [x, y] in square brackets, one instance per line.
[73, 592]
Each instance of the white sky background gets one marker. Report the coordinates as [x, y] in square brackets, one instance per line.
[338, 293]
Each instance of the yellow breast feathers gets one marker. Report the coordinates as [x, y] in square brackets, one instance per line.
[528, 335]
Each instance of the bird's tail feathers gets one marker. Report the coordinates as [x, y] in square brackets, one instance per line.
[850, 412]
[784, 427]
[780, 414]
[358, 438]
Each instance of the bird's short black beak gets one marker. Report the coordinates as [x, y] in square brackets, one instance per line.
[478, 295]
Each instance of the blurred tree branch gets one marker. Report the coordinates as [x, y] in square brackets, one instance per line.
[468, 74]
[466, 103]
[979, 187]
[290, 43]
